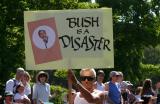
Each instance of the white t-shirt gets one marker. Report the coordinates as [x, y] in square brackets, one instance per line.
[81, 100]
[100, 86]
[41, 92]
[20, 96]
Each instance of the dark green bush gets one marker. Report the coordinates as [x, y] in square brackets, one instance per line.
[58, 93]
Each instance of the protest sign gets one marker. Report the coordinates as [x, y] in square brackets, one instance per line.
[56, 39]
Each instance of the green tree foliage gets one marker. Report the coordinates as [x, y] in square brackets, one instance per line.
[58, 93]
[61, 73]
[136, 26]
[150, 71]
[11, 37]
[152, 55]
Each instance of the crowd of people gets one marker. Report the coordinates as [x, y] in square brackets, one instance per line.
[19, 91]
[91, 89]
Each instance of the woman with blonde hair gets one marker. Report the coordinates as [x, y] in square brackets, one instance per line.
[25, 81]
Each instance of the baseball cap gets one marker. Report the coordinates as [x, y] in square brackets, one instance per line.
[125, 84]
[100, 72]
[113, 73]
[120, 73]
[8, 93]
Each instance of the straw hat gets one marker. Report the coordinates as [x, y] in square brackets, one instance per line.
[42, 73]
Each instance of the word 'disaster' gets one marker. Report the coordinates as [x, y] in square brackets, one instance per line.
[87, 43]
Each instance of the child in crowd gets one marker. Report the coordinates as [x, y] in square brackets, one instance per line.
[20, 97]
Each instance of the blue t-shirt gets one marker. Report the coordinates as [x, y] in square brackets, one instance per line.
[114, 93]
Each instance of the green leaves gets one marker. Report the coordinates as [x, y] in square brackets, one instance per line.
[62, 73]
[136, 26]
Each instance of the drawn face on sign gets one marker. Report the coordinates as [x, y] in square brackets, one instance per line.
[44, 37]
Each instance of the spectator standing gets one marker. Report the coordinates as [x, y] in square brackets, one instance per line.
[147, 92]
[158, 92]
[138, 95]
[114, 89]
[99, 85]
[8, 97]
[130, 95]
[41, 89]
[25, 82]
[66, 97]
[12, 83]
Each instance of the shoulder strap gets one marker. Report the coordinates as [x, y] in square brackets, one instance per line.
[14, 89]
[14, 80]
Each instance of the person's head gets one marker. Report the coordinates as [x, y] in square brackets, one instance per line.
[129, 85]
[120, 76]
[20, 88]
[26, 77]
[42, 34]
[20, 73]
[147, 83]
[100, 76]
[73, 95]
[114, 76]
[147, 86]
[158, 85]
[42, 77]
[87, 76]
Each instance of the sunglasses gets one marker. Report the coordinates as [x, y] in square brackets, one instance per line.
[89, 78]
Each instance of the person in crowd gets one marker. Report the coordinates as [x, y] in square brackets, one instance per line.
[123, 87]
[130, 95]
[158, 92]
[87, 93]
[73, 96]
[1, 99]
[120, 77]
[12, 83]
[20, 97]
[25, 81]
[66, 97]
[41, 89]
[8, 97]
[113, 88]
[99, 85]
[147, 92]
[138, 95]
